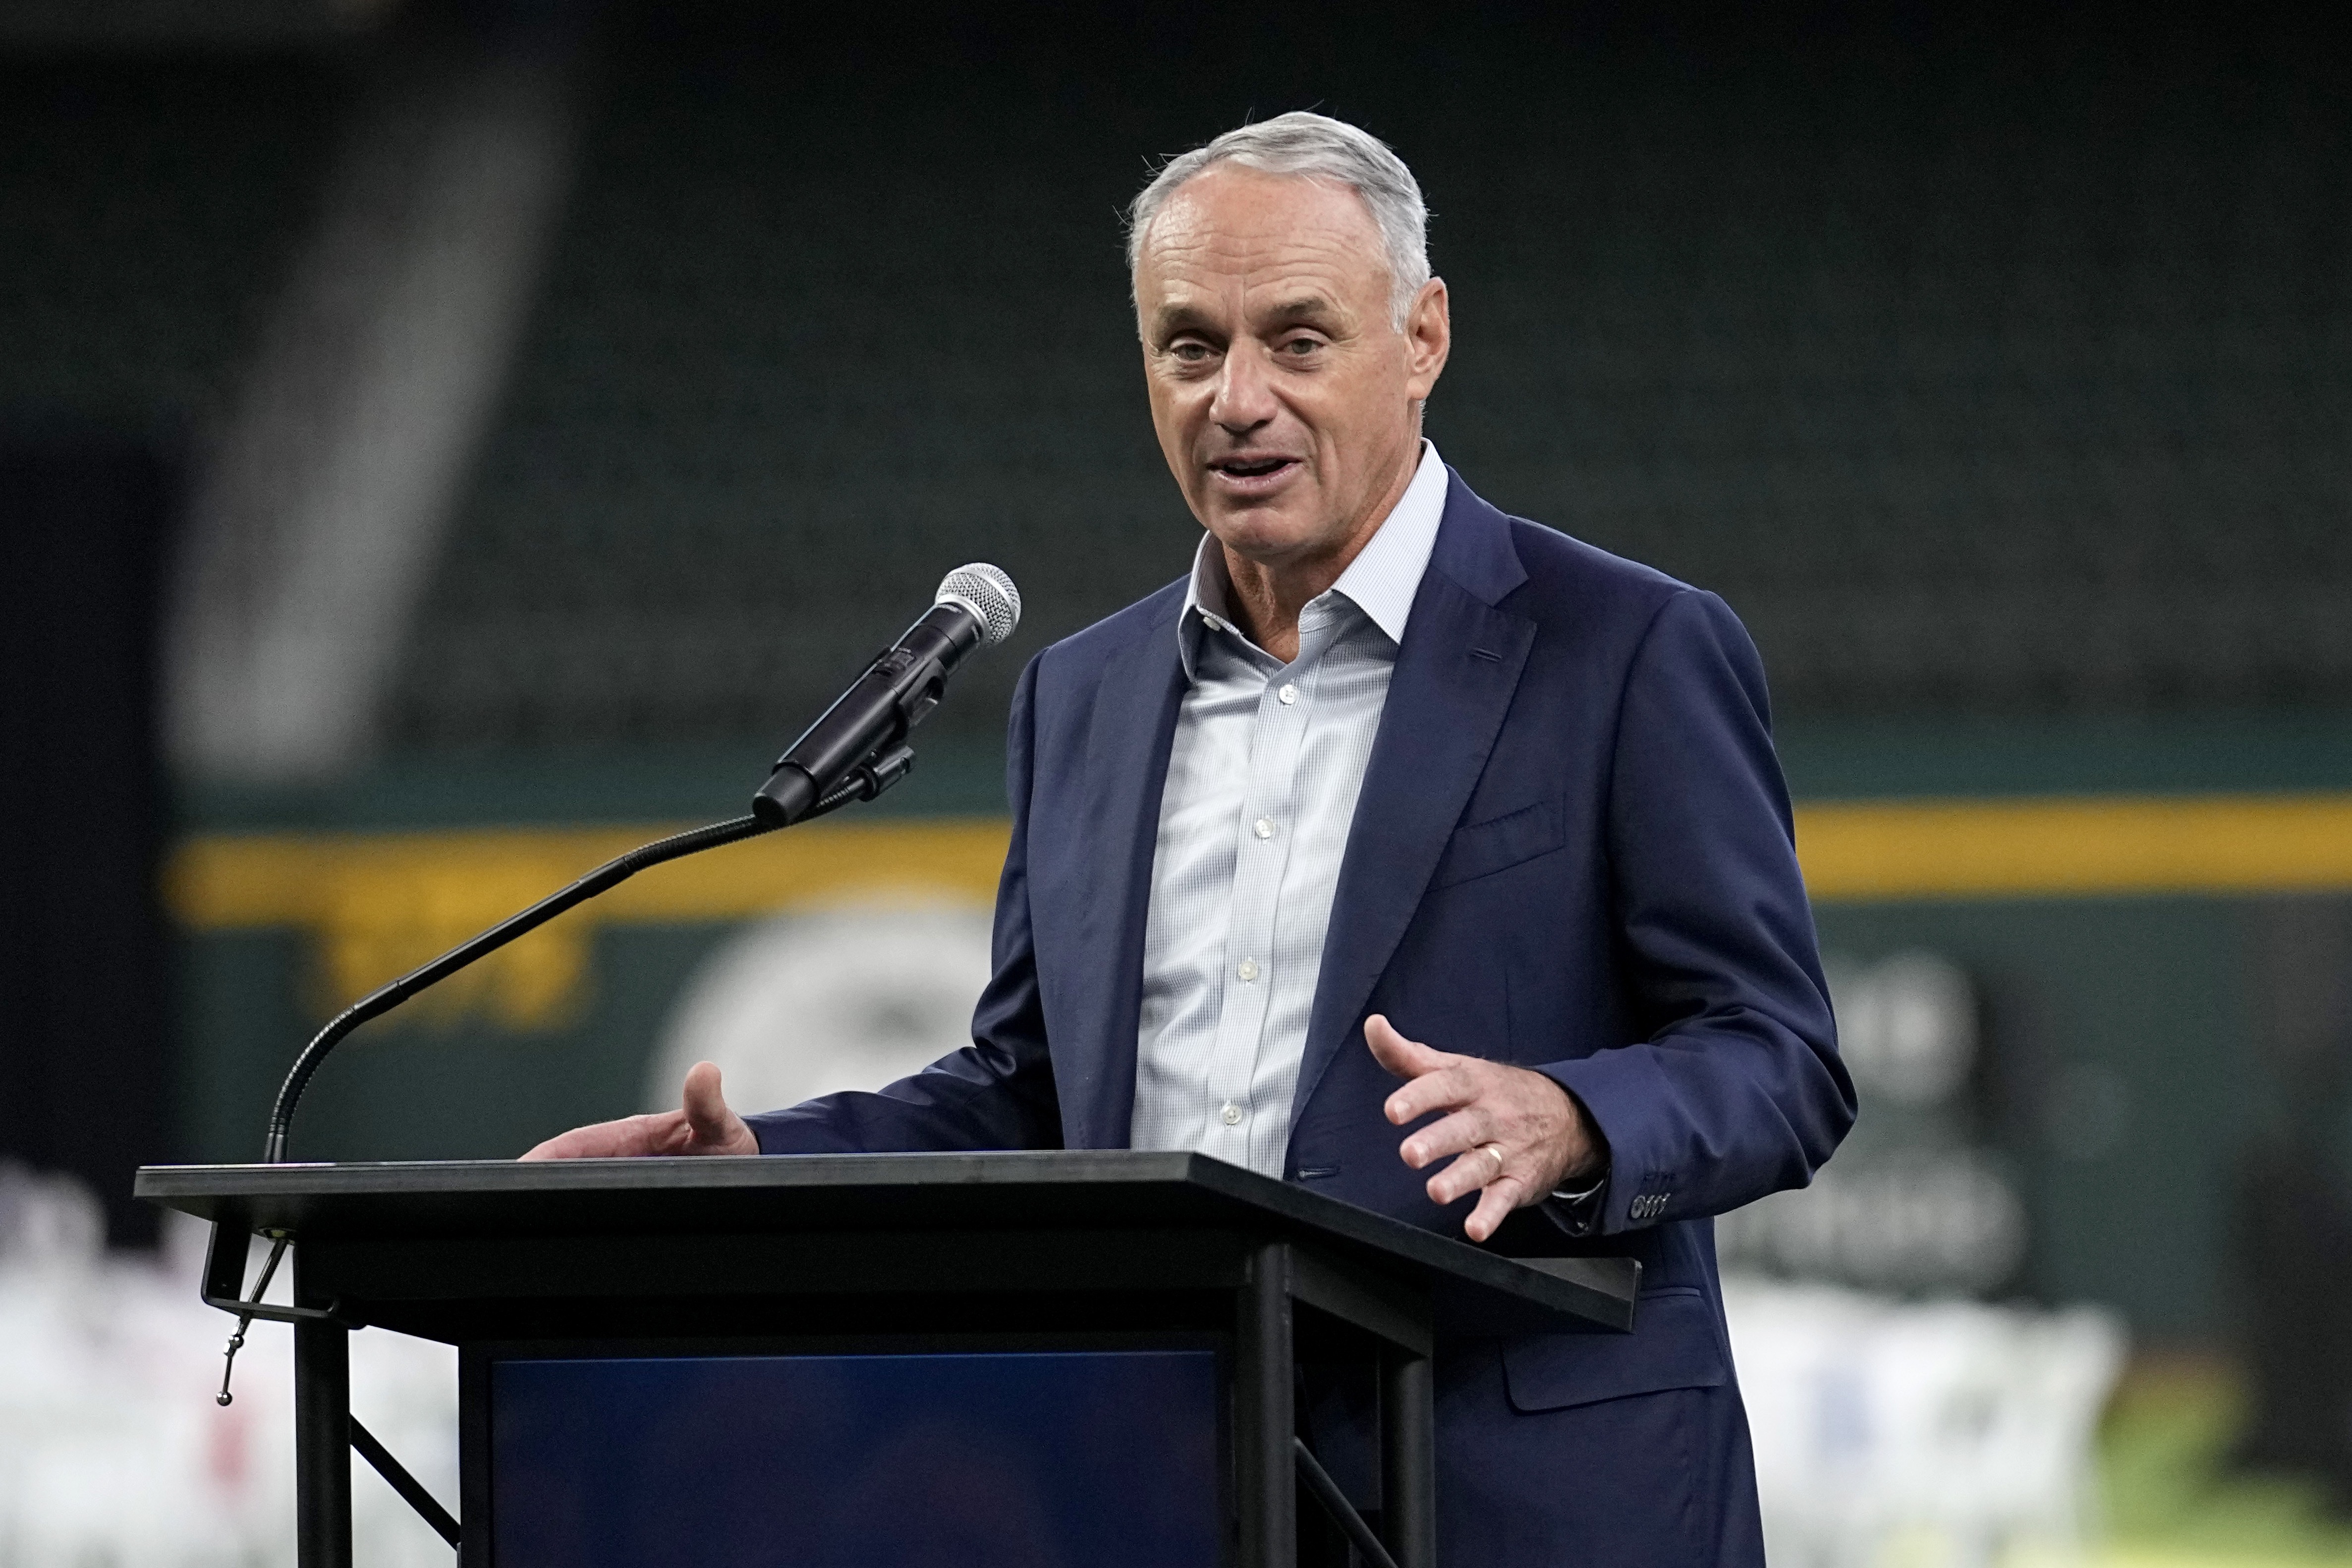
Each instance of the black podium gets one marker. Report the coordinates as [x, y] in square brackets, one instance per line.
[953, 1357]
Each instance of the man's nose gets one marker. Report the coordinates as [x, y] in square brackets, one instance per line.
[1244, 399]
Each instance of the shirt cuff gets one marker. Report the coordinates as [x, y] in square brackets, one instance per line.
[1578, 1213]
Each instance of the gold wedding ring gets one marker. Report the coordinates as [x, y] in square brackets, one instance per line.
[1495, 1151]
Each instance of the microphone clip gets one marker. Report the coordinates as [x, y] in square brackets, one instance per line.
[868, 779]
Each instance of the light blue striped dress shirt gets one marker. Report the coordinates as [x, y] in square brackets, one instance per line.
[1263, 777]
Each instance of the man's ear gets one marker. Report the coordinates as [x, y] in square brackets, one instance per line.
[1428, 338]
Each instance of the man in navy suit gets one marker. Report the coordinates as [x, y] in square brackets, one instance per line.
[1397, 812]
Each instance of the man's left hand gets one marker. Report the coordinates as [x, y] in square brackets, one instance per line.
[1518, 1134]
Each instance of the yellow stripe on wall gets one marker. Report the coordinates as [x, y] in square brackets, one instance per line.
[223, 881]
[2078, 846]
[381, 903]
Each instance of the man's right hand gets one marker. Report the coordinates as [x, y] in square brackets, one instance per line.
[702, 1125]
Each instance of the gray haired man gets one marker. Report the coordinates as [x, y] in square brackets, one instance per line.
[1396, 813]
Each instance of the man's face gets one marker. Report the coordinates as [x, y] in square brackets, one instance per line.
[1287, 401]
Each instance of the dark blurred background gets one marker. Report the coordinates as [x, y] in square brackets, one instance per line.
[420, 419]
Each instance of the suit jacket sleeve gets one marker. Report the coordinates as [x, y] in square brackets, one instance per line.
[1733, 1087]
[995, 1093]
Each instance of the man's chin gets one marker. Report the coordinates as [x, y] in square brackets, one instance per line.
[1276, 531]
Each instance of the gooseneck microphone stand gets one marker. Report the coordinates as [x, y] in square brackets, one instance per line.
[854, 751]
[225, 1266]
[864, 784]
[383, 999]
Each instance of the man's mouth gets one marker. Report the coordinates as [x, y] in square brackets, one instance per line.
[1254, 468]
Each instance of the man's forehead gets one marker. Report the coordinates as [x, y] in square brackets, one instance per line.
[1286, 245]
[1231, 213]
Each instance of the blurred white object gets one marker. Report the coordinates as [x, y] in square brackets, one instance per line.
[112, 1449]
[1921, 1218]
[1906, 1026]
[318, 512]
[808, 1004]
[1942, 1432]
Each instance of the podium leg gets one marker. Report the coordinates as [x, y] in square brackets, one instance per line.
[1409, 1458]
[1264, 1423]
[322, 1446]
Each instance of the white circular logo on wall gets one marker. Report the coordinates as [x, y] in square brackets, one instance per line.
[819, 1001]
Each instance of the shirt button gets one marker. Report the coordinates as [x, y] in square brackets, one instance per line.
[1288, 694]
[1214, 624]
[1248, 970]
[1263, 827]
[1231, 1115]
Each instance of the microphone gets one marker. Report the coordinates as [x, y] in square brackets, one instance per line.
[977, 606]
[854, 752]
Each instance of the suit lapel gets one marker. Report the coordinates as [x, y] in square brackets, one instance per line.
[1127, 742]
[1455, 675]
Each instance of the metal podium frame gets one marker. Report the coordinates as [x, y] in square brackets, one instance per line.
[873, 1252]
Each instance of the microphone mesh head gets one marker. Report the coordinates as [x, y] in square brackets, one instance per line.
[987, 593]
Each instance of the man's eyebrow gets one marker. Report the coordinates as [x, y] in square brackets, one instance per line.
[1170, 318]
[1317, 308]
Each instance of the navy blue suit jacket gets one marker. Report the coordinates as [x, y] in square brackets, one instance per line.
[1572, 851]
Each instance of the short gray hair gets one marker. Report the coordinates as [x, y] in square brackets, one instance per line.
[1314, 147]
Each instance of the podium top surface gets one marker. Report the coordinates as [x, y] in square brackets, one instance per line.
[835, 1193]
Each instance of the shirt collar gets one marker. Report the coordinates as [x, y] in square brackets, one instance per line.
[1381, 581]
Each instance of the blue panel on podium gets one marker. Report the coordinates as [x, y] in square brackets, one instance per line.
[1034, 1459]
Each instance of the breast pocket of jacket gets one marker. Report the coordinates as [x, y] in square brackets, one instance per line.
[1498, 843]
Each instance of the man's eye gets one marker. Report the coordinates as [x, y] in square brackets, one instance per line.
[1301, 347]
[1190, 354]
